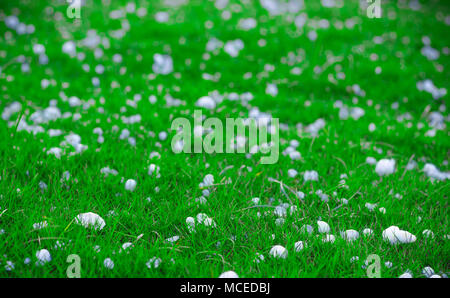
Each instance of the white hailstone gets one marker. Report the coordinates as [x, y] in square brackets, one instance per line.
[300, 195]
[428, 271]
[107, 171]
[279, 222]
[233, 47]
[272, 90]
[388, 264]
[161, 17]
[435, 276]
[229, 274]
[350, 235]
[428, 233]
[323, 227]
[311, 176]
[130, 185]
[206, 102]
[329, 238]
[382, 210]
[370, 160]
[154, 169]
[372, 127]
[295, 155]
[9, 266]
[162, 136]
[162, 64]
[55, 151]
[108, 263]
[69, 48]
[153, 263]
[367, 232]
[259, 258]
[385, 167]
[344, 201]
[394, 235]
[173, 239]
[255, 201]
[90, 219]
[40, 225]
[205, 192]
[190, 222]
[38, 49]
[43, 257]
[354, 259]
[299, 245]
[433, 172]
[407, 274]
[292, 173]
[278, 251]
[280, 211]
[208, 180]
[370, 206]
[27, 261]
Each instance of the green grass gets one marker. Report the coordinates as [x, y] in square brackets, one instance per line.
[340, 148]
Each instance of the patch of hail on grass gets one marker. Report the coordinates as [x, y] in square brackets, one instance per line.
[90, 220]
[434, 173]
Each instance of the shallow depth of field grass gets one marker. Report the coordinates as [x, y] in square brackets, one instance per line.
[323, 60]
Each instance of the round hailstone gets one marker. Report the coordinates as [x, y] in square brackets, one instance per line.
[130, 185]
[153, 263]
[323, 227]
[206, 102]
[307, 229]
[407, 274]
[428, 233]
[350, 235]
[255, 201]
[370, 160]
[190, 222]
[278, 251]
[229, 274]
[43, 257]
[329, 238]
[292, 173]
[385, 167]
[367, 232]
[90, 219]
[394, 235]
[299, 245]
[108, 263]
[311, 176]
[173, 239]
[428, 271]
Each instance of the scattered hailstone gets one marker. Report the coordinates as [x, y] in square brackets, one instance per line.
[190, 222]
[108, 263]
[43, 257]
[206, 102]
[278, 251]
[407, 274]
[428, 233]
[329, 238]
[162, 64]
[428, 271]
[130, 185]
[385, 167]
[292, 173]
[371, 160]
[367, 232]
[90, 219]
[311, 176]
[394, 235]
[299, 245]
[153, 263]
[431, 171]
[40, 225]
[259, 258]
[233, 47]
[323, 227]
[350, 235]
[255, 201]
[173, 239]
[229, 274]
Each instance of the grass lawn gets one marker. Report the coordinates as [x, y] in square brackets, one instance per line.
[87, 104]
